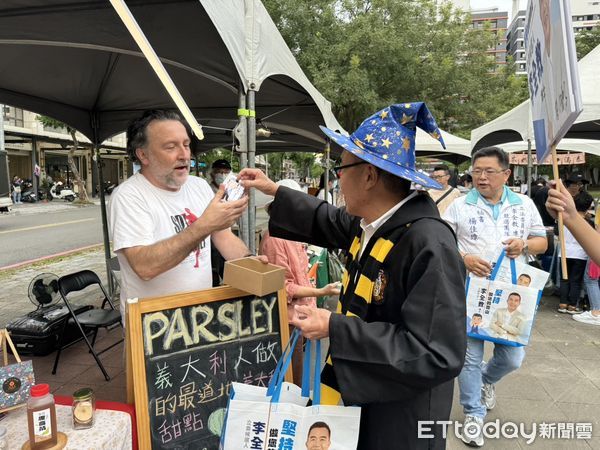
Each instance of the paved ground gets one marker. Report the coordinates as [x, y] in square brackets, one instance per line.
[559, 380]
[45, 207]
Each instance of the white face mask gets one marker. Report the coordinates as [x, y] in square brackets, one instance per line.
[219, 178]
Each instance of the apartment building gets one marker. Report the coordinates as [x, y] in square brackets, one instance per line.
[28, 142]
[585, 16]
[497, 21]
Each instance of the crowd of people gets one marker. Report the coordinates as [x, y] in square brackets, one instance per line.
[397, 339]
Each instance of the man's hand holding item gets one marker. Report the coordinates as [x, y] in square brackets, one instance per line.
[313, 322]
[219, 214]
[257, 179]
[514, 247]
[478, 266]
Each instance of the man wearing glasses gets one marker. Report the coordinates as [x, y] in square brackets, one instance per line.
[491, 217]
[445, 196]
[397, 339]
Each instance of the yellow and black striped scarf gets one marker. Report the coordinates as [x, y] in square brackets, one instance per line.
[358, 281]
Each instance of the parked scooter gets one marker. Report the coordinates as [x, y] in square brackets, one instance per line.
[27, 193]
[109, 187]
[64, 193]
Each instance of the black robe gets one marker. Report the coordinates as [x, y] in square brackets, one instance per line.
[400, 363]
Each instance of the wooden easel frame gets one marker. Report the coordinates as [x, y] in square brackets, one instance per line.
[137, 388]
[5, 340]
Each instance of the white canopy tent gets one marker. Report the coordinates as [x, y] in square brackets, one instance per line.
[589, 146]
[516, 124]
[73, 60]
[457, 149]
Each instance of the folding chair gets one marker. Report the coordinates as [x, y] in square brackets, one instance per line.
[115, 273]
[88, 321]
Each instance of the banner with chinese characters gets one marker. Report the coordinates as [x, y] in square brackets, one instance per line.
[520, 159]
[552, 72]
[187, 349]
[500, 312]
[286, 426]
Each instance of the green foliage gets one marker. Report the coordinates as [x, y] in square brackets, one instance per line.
[365, 54]
[586, 41]
[50, 122]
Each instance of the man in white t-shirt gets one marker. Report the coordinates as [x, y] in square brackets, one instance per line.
[162, 220]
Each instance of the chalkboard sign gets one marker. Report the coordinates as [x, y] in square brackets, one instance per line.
[186, 350]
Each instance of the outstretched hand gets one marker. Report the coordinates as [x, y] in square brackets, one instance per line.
[257, 179]
[560, 200]
[330, 289]
[220, 215]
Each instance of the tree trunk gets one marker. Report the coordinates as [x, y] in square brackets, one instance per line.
[80, 185]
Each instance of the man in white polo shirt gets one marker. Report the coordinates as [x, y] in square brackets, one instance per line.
[489, 217]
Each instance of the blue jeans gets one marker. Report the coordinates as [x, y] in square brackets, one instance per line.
[506, 359]
[592, 288]
[16, 197]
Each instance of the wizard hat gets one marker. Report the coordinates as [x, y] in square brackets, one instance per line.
[387, 140]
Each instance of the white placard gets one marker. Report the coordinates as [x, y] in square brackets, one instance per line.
[552, 72]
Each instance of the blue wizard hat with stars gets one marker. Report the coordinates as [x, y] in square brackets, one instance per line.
[387, 140]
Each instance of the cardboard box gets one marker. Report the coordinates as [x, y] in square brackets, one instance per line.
[251, 275]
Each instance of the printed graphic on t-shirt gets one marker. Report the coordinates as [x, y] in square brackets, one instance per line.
[180, 223]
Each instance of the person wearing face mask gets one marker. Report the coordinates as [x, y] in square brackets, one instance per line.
[218, 172]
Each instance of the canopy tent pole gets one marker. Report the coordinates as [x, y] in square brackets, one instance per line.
[251, 97]
[105, 237]
[529, 167]
[241, 132]
[34, 157]
[5, 179]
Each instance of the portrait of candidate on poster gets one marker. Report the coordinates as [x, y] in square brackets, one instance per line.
[500, 312]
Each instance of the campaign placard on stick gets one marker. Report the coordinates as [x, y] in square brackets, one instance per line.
[187, 349]
[552, 72]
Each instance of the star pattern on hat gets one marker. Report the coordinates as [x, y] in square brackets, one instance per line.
[394, 129]
[387, 139]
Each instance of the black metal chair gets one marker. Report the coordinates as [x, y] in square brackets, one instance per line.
[90, 321]
[115, 273]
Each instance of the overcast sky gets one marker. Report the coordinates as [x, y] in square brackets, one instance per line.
[503, 5]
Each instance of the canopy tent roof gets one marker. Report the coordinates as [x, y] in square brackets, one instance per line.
[516, 124]
[457, 149]
[589, 146]
[75, 61]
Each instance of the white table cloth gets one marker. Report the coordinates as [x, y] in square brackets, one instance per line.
[111, 430]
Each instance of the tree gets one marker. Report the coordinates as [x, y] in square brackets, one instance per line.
[366, 54]
[50, 122]
[586, 41]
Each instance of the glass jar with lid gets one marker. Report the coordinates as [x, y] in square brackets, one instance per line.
[84, 408]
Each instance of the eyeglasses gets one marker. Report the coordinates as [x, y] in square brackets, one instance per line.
[338, 169]
[438, 177]
[488, 172]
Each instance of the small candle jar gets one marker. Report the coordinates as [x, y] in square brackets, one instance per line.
[84, 407]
